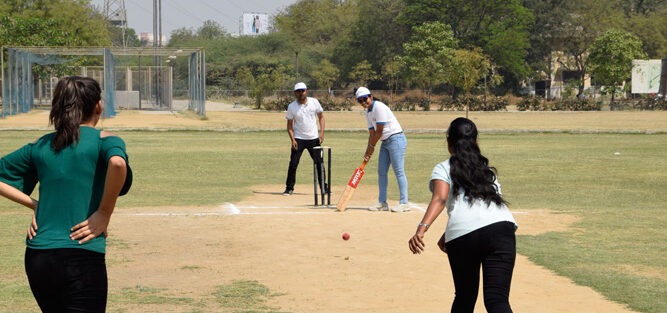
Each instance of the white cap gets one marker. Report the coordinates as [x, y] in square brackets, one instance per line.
[300, 86]
[361, 92]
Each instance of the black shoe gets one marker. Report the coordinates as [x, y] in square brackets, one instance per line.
[288, 192]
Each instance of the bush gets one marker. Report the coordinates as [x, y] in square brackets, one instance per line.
[651, 104]
[475, 103]
[406, 103]
[538, 104]
[280, 103]
[531, 103]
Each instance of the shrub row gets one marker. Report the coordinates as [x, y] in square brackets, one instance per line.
[539, 104]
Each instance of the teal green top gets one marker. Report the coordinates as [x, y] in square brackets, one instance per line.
[71, 184]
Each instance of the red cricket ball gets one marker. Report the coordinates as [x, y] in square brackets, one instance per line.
[346, 236]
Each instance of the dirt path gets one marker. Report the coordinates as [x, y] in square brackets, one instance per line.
[296, 250]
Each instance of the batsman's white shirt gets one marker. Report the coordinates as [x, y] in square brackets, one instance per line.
[379, 113]
[305, 118]
[466, 217]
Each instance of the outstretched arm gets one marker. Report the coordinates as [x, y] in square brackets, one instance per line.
[435, 207]
[97, 223]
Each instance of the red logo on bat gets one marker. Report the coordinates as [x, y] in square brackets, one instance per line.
[356, 178]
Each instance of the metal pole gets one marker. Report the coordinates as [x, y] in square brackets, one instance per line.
[315, 182]
[322, 173]
[328, 190]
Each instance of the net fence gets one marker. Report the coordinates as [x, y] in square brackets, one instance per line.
[131, 78]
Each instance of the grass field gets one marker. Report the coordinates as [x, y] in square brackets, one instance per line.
[614, 182]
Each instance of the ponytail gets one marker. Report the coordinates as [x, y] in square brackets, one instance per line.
[470, 170]
[74, 102]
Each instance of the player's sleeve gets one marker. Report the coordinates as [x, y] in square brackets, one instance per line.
[318, 106]
[440, 172]
[289, 115]
[383, 115]
[115, 146]
[17, 170]
[369, 122]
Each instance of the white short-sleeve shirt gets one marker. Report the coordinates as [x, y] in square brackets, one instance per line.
[379, 113]
[305, 118]
[464, 216]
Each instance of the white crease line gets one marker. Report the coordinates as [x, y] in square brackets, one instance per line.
[231, 209]
[220, 213]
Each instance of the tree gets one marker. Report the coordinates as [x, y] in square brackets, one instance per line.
[391, 74]
[646, 20]
[326, 74]
[644, 7]
[500, 28]
[70, 23]
[468, 68]
[263, 83]
[363, 73]
[122, 38]
[210, 30]
[428, 55]
[31, 31]
[181, 36]
[375, 36]
[611, 57]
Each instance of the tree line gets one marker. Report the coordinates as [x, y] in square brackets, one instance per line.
[433, 45]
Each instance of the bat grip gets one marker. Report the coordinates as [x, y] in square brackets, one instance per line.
[363, 164]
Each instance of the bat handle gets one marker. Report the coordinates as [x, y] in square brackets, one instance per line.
[363, 164]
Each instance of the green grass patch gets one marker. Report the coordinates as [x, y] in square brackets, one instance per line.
[244, 296]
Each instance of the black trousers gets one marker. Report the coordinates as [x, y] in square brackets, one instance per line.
[67, 280]
[494, 249]
[295, 157]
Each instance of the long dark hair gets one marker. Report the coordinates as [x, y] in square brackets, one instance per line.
[74, 101]
[470, 170]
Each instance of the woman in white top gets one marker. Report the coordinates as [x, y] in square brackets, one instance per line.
[384, 127]
[480, 229]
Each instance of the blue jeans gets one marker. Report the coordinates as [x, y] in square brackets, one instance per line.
[392, 152]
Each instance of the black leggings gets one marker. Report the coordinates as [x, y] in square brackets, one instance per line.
[67, 280]
[494, 248]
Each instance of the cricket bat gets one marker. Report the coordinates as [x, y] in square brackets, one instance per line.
[351, 187]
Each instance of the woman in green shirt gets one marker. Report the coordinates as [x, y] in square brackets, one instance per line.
[81, 171]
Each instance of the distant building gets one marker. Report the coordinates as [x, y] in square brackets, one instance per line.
[146, 39]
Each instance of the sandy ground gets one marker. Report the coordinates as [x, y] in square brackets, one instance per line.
[296, 250]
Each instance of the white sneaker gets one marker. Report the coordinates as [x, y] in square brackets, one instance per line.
[379, 207]
[403, 207]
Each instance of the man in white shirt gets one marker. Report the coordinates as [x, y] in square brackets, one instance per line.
[303, 117]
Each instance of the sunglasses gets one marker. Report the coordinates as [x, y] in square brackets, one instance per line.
[362, 100]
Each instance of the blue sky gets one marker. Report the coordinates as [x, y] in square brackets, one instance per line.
[193, 13]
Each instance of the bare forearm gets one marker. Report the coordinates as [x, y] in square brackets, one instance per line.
[17, 196]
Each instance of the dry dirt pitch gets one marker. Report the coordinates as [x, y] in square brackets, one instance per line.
[296, 249]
